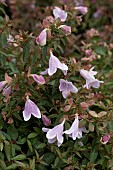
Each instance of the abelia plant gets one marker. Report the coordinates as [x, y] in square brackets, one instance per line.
[49, 118]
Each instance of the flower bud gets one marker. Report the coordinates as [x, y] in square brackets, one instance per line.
[88, 52]
[84, 105]
[46, 121]
[42, 38]
[104, 139]
[45, 23]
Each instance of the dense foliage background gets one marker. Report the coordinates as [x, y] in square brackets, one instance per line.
[23, 144]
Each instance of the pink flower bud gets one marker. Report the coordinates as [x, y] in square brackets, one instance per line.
[41, 39]
[66, 29]
[46, 121]
[45, 23]
[88, 52]
[84, 105]
[104, 139]
[83, 10]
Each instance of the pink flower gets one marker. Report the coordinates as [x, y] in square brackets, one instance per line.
[59, 13]
[42, 38]
[38, 78]
[104, 139]
[66, 29]
[2, 84]
[8, 80]
[55, 134]
[46, 121]
[83, 10]
[88, 52]
[54, 64]
[67, 87]
[10, 39]
[90, 79]
[74, 131]
[7, 91]
[30, 109]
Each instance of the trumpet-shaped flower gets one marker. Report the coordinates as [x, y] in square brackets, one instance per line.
[74, 131]
[54, 64]
[66, 29]
[59, 13]
[38, 78]
[30, 109]
[90, 79]
[42, 38]
[55, 134]
[83, 10]
[67, 87]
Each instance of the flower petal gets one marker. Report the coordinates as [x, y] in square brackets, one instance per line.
[31, 108]
[44, 72]
[59, 13]
[27, 111]
[45, 129]
[2, 84]
[52, 140]
[41, 39]
[65, 94]
[7, 91]
[73, 89]
[74, 126]
[35, 110]
[52, 133]
[38, 78]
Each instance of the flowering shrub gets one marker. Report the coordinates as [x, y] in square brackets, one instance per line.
[51, 119]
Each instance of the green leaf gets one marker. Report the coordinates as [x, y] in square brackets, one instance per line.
[59, 163]
[30, 145]
[44, 52]
[1, 146]
[41, 167]
[2, 164]
[32, 164]
[41, 146]
[12, 132]
[110, 163]
[93, 155]
[2, 137]
[101, 50]
[26, 52]
[48, 157]
[19, 157]
[34, 59]
[111, 126]
[12, 166]
[7, 148]
[91, 127]
[32, 135]
[21, 164]
[21, 141]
